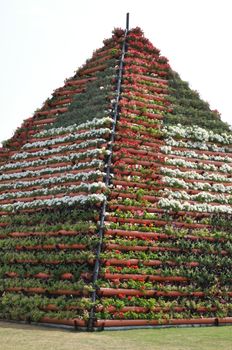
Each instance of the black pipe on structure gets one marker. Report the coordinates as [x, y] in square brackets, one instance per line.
[115, 113]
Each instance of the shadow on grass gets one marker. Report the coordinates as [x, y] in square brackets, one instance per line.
[35, 327]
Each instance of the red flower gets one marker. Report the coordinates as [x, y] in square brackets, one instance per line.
[121, 296]
[116, 282]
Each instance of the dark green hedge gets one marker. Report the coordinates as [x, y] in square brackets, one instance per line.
[189, 108]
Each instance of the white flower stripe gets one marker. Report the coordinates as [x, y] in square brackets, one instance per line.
[73, 128]
[195, 175]
[196, 145]
[193, 165]
[84, 176]
[203, 186]
[55, 159]
[225, 168]
[172, 204]
[201, 196]
[55, 190]
[68, 138]
[35, 173]
[64, 201]
[59, 149]
[197, 133]
[193, 154]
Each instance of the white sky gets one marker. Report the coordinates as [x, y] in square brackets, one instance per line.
[43, 42]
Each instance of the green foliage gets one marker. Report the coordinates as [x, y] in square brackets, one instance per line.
[94, 102]
[222, 222]
[32, 308]
[50, 217]
[189, 108]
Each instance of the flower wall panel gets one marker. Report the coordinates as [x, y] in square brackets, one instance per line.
[52, 186]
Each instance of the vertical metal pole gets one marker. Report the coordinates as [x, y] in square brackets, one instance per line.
[90, 323]
[127, 21]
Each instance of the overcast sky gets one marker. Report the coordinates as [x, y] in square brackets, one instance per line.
[44, 41]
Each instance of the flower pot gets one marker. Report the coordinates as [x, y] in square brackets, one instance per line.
[67, 276]
[197, 294]
[138, 234]
[127, 248]
[11, 274]
[71, 246]
[171, 293]
[38, 290]
[65, 292]
[42, 275]
[128, 262]
[124, 291]
[134, 277]
[206, 309]
[14, 289]
[225, 320]
[50, 307]
[125, 323]
[193, 321]
[48, 246]
[115, 261]
[193, 264]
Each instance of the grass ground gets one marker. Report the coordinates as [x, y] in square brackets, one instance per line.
[22, 337]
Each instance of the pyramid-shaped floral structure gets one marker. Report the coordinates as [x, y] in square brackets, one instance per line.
[115, 199]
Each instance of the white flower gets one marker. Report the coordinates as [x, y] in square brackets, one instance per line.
[201, 196]
[193, 154]
[74, 128]
[82, 145]
[68, 138]
[204, 186]
[194, 175]
[55, 190]
[54, 159]
[176, 205]
[66, 201]
[197, 133]
[62, 178]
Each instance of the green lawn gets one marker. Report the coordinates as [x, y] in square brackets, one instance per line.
[20, 337]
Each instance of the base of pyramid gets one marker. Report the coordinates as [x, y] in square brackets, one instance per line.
[110, 325]
[172, 322]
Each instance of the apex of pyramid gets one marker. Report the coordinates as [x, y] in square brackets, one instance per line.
[187, 106]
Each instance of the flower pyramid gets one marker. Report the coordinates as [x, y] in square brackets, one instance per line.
[115, 200]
